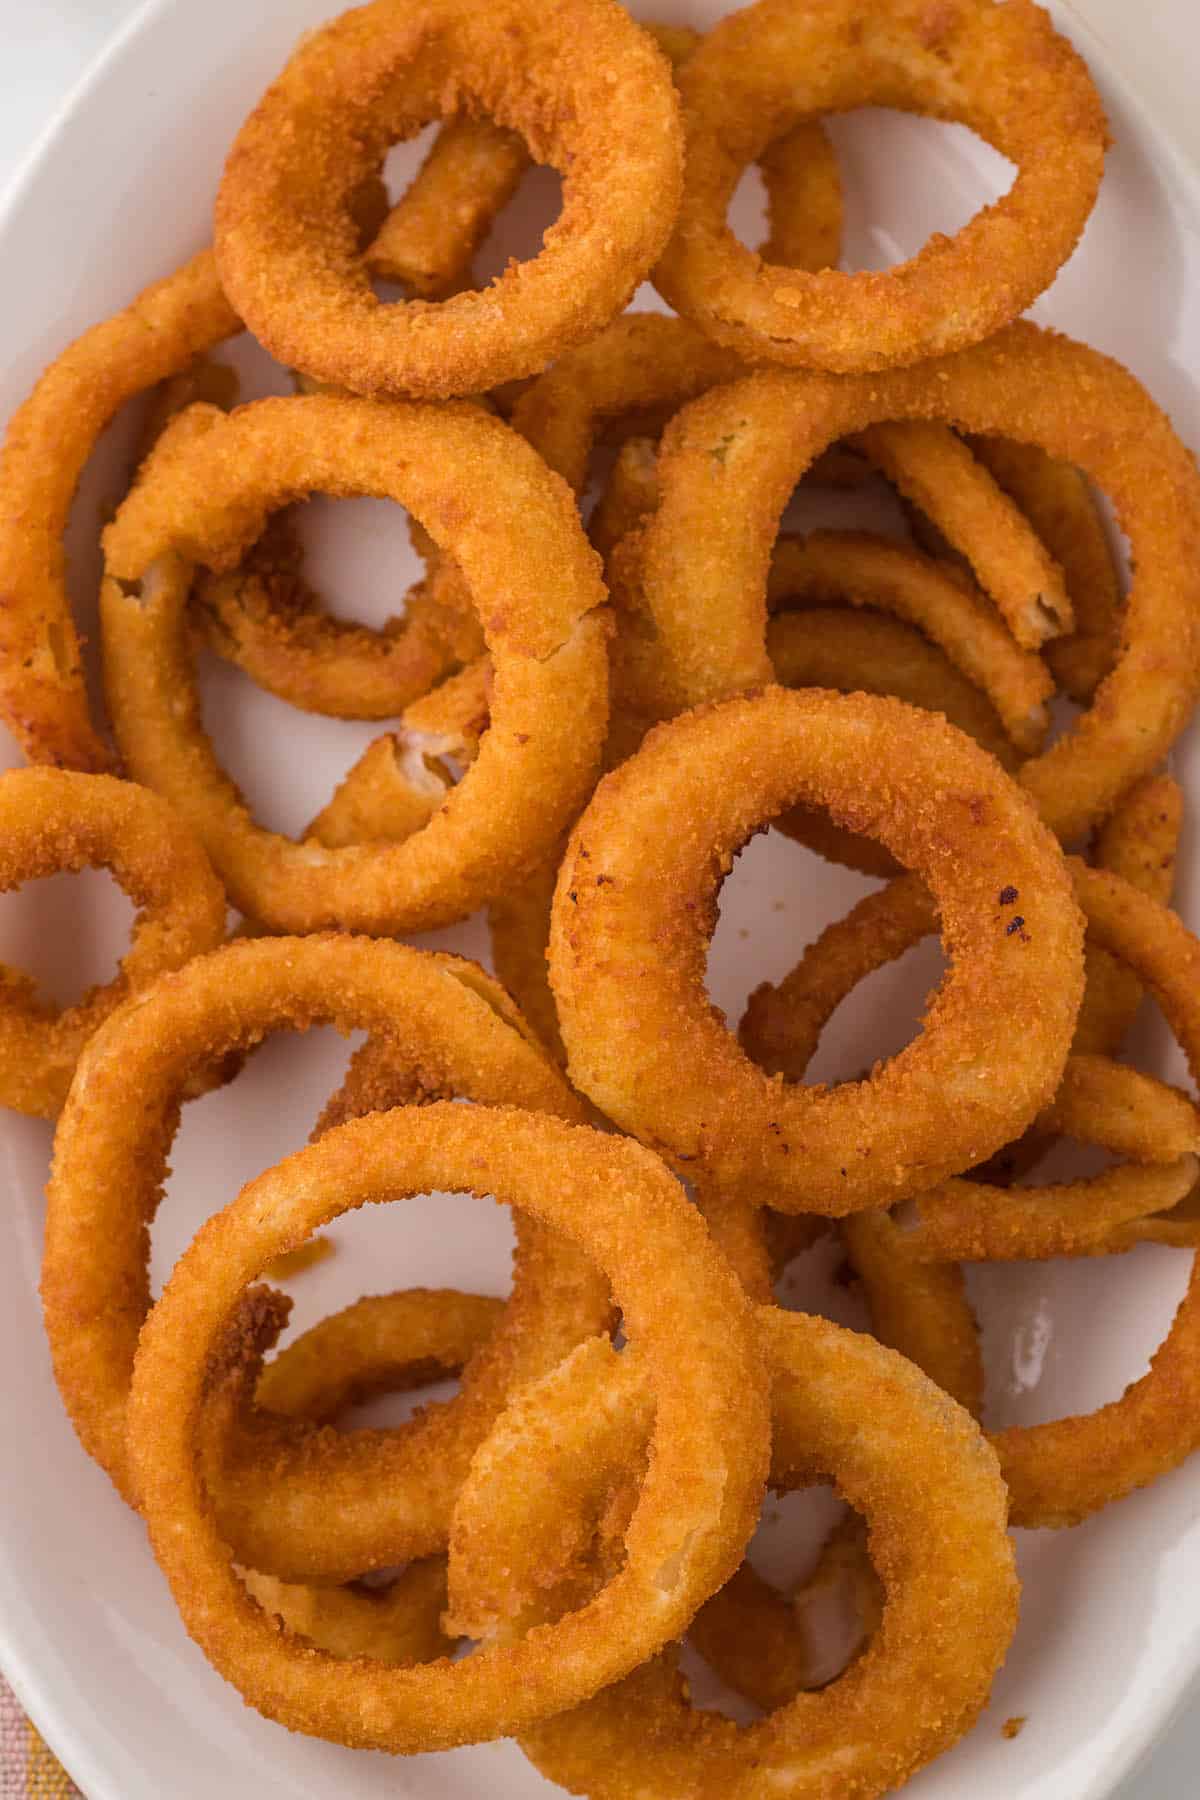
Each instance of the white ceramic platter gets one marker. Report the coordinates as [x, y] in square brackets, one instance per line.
[118, 194]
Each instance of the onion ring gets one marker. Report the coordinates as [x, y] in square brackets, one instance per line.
[55, 819]
[934, 470]
[969, 1221]
[202, 497]
[264, 618]
[519, 931]
[1060, 1472]
[634, 905]
[386, 1343]
[43, 700]
[770, 1646]
[389, 1492]
[1097, 1102]
[870, 653]
[694, 1342]
[730, 460]
[1004, 71]
[1138, 842]
[428, 241]
[911, 1695]
[588, 92]
[859, 568]
[400, 1623]
[1058, 503]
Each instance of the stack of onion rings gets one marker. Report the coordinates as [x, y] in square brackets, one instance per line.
[696, 1505]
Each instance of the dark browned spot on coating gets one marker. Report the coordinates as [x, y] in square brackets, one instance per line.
[1007, 896]
[1014, 924]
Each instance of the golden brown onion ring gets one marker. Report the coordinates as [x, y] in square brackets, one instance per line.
[55, 819]
[696, 1349]
[635, 905]
[1002, 70]
[428, 241]
[922, 1681]
[588, 92]
[934, 470]
[386, 1343]
[399, 1623]
[847, 651]
[43, 700]
[357, 1500]
[1062, 1471]
[264, 618]
[204, 496]
[1060, 506]
[1139, 842]
[730, 460]
[859, 568]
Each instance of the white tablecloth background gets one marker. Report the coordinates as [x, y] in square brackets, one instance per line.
[46, 44]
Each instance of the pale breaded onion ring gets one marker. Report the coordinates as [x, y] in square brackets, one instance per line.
[731, 459]
[56, 819]
[43, 700]
[937, 1514]
[1002, 70]
[389, 1493]
[203, 497]
[589, 93]
[696, 1349]
[635, 905]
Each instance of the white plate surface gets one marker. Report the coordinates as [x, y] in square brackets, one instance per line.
[118, 193]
